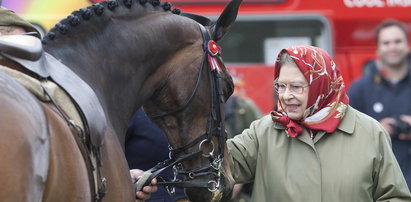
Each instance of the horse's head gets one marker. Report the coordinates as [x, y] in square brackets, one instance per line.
[193, 117]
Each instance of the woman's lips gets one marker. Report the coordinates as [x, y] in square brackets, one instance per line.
[292, 107]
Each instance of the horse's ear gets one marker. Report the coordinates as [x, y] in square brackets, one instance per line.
[225, 20]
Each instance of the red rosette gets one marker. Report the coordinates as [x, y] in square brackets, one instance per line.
[213, 48]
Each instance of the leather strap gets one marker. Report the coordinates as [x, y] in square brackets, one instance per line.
[22, 46]
[198, 18]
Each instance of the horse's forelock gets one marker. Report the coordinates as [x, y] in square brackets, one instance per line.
[98, 9]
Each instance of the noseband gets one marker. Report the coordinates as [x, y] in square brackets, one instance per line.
[215, 127]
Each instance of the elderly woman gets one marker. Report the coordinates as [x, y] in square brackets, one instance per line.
[315, 147]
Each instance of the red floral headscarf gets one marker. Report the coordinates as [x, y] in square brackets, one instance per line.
[327, 99]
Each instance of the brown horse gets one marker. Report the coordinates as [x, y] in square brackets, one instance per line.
[128, 53]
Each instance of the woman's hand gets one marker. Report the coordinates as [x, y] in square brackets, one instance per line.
[147, 190]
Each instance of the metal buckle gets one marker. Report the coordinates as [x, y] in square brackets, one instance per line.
[210, 188]
[211, 152]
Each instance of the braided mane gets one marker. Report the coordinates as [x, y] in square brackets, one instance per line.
[84, 14]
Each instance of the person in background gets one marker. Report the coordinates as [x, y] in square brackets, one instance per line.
[315, 147]
[145, 146]
[384, 90]
[240, 111]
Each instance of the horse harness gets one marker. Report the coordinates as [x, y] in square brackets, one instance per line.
[54, 82]
[215, 127]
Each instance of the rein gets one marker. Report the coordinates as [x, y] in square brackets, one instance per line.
[215, 127]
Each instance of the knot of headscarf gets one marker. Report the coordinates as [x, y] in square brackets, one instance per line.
[291, 127]
[327, 99]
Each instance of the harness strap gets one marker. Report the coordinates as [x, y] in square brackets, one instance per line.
[189, 145]
[217, 103]
[160, 167]
[198, 18]
[198, 171]
[186, 184]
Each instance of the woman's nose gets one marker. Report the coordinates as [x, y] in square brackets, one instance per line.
[288, 94]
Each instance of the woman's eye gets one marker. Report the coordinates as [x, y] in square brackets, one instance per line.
[296, 86]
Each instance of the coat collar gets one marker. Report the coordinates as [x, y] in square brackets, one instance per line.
[348, 122]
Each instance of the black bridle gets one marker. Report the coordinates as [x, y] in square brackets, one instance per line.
[215, 127]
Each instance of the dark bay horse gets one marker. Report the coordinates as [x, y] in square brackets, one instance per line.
[129, 53]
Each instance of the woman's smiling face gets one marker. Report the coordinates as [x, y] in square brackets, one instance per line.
[292, 89]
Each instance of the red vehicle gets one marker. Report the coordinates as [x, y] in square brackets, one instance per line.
[345, 28]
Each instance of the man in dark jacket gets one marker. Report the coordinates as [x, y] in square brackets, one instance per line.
[384, 91]
[146, 145]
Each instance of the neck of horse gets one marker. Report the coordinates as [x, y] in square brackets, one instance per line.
[122, 67]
